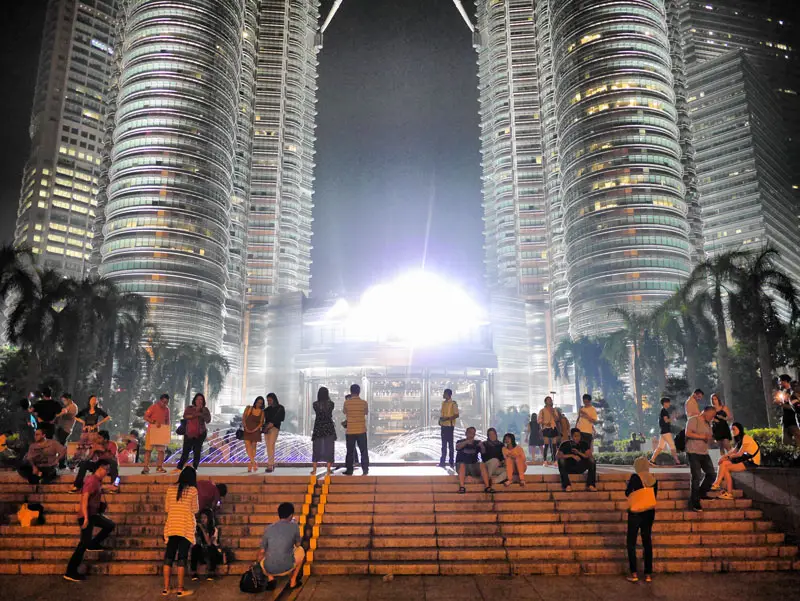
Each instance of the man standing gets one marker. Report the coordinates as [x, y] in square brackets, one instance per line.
[356, 411]
[575, 457]
[467, 462]
[158, 434]
[66, 418]
[692, 406]
[587, 417]
[46, 410]
[447, 421]
[40, 464]
[280, 548]
[698, 436]
[666, 440]
[90, 517]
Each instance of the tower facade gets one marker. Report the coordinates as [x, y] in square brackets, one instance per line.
[279, 231]
[168, 208]
[60, 181]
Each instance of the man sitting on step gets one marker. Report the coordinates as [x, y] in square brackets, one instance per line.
[467, 462]
[103, 450]
[40, 464]
[280, 553]
[492, 457]
[575, 457]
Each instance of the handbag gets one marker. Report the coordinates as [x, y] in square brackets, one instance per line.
[181, 429]
[641, 500]
[239, 434]
[253, 580]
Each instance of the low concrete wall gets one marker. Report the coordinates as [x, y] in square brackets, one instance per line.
[776, 491]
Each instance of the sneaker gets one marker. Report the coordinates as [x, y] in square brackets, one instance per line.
[648, 578]
[185, 593]
[211, 577]
[195, 577]
[632, 578]
[74, 490]
[715, 487]
[725, 496]
[442, 464]
[75, 577]
[696, 509]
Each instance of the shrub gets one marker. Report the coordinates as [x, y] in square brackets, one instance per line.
[628, 458]
[773, 452]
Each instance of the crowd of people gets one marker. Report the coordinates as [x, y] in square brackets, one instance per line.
[191, 533]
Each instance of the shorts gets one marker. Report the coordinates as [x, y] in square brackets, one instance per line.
[177, 545]
[473, 470]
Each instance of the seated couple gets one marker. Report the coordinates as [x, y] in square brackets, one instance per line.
[499, 460]
[575, 457]
[280, 553]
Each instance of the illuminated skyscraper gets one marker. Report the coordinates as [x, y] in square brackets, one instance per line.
[279, 232]
[59, 186]
[168, 208]
[583, 180]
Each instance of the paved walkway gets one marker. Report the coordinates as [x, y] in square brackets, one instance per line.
[712, 587]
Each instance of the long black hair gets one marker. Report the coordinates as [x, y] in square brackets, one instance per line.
[187, 479]
[274, 398]
[738, 439]
[202, 396]
[512, 437]
[263, 402]
[323, 394]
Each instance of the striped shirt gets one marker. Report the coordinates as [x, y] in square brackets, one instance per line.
[181, 513]
[356, 411]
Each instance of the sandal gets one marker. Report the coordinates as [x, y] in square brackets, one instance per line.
[461, 490]
[185, 593]
[507, 483]
[297, 584]
[161, 470]
[632, 578]
[488, 489]
[164, 592]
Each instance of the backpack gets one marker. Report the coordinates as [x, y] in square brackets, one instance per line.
[253, 580]
[680, 441]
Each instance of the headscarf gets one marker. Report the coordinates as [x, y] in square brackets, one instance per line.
[642, 467]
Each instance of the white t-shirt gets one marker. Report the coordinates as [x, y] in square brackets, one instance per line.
[584, 425]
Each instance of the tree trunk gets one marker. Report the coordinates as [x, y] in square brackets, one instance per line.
[691, 355]
[723, 356]
[107, 370]
[637, 384]
[765, 365]
[577, 388]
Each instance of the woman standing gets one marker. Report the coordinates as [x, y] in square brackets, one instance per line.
[323, 437]
[252, 422]
[514, 457]
[719, 427]
[641, 491]
[179, 532]
[747, 456]
[274, 415]
[196, 417]
[548, 420]
[533, 434]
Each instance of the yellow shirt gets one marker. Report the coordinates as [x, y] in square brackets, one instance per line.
[181, 513]
[356, 410]
[750, 447]
[449, 413]
[584, 425]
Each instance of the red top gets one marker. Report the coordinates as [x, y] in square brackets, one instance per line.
[94, 487]
[158, 413]
[207, 495]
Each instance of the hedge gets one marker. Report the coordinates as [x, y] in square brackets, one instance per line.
[773, 452]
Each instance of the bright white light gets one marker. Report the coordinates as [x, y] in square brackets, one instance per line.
[418, 308]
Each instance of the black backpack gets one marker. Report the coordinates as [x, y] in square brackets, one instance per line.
[253, 580]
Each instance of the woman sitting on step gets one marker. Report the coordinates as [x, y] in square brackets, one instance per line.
[747, 456]
[514, 457]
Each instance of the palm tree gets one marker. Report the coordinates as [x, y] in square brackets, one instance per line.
[17, 272]
[762, 292]
[714, 279]
[81, 318]
[582, 354]
[183, 367]
[624, 348]
[683, 323]
[35, 323]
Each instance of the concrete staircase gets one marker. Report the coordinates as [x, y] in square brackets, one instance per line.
[421, 525]
[137, 546]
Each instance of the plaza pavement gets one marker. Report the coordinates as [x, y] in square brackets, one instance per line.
[694, 587]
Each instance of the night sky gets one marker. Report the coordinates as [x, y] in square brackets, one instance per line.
[398, 163]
